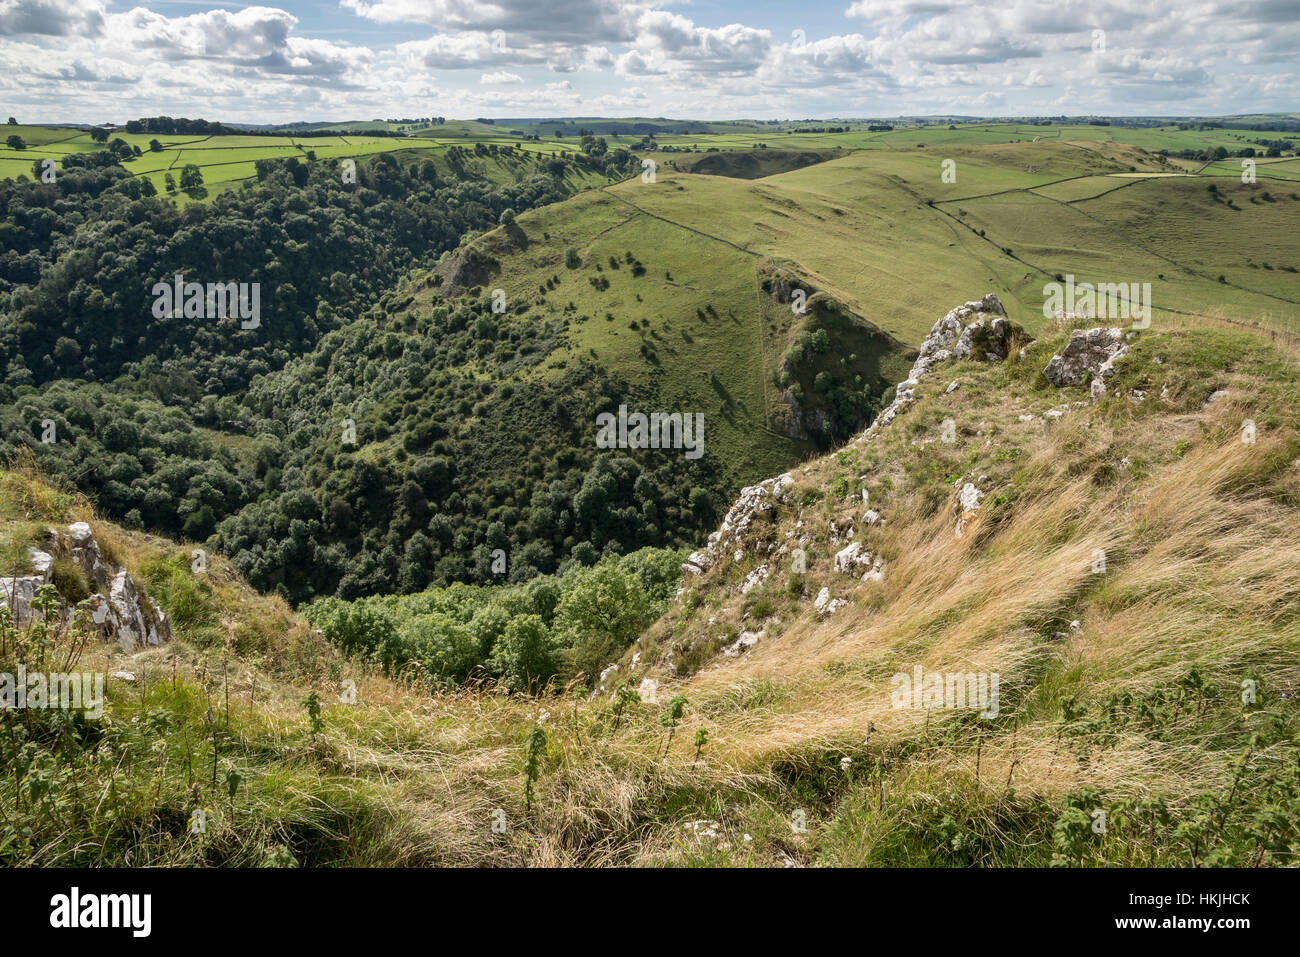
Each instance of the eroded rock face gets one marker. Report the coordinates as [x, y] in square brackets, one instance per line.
[139, 620]
[968, 500]
[16, 594]
[84, 550]
[742, 522]
[825, 605]
[118, 610]
[856, 560]
[754, 579]
[1089, 352]
[17, 591]
[43, 562]
[978, 329]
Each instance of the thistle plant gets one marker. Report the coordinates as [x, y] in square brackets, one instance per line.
[534, 750]
[312, 703]
[701, 739]
[34, 644]
[624, 695]
[671, 717]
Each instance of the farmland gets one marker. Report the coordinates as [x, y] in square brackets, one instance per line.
[228, 159]
[661, 273]
[871, 226]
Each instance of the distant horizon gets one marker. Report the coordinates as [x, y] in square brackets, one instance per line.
[1292, 115]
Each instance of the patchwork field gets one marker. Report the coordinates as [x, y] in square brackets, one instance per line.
[225, 160]
[862, 228]
[755, 139]
[667, 286]
[869, 217]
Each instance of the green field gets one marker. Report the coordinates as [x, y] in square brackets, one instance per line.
[862, 226]
[880, 232]
[223, 153]
[868, 217]
[228, 160]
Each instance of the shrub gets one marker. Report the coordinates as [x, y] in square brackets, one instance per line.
[526, 655]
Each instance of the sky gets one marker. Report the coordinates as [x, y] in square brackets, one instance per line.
[94, 61]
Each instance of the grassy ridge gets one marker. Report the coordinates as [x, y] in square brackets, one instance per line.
[1137, 712]
[864, 228]
[686, 317]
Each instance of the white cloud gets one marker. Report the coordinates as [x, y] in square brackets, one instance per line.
[878, 9]
[74, 59]
[51, 17]
[257, 37]
[525, 21]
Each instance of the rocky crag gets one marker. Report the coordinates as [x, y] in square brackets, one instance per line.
[118, 609]
[978, 330]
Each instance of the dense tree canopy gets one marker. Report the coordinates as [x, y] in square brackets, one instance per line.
[80, 257]
[352, 444]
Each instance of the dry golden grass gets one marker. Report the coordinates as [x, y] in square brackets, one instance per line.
[1202, 545]
[1201, 573]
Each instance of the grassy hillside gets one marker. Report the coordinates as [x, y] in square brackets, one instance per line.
[1122, 691]
[759, 149]
[873, 226]
[750, 164]
[474, 385]
[680, 310]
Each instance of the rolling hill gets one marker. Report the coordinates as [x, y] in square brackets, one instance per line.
[780, 308]
[1152, 689]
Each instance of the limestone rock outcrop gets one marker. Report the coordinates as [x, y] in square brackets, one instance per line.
[978, 329]
[119, 610]
[974, 331]
[1089, 352]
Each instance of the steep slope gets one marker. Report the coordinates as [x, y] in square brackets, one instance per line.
[686, 317]
[750, 164]
[1120, 562]
[1150, 688]
[191, 425]
[1123, 564]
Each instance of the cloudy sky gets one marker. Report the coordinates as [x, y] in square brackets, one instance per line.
[103, 60]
